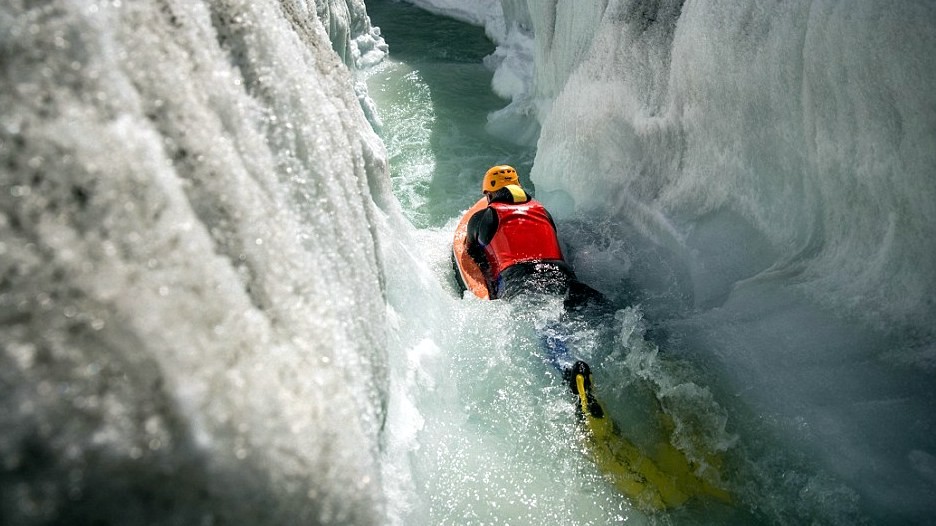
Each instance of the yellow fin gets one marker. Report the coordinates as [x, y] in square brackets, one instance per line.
[650, 485]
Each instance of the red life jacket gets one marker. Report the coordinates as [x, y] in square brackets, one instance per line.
[524, 233]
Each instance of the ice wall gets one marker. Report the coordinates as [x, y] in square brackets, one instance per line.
[485, 13]
[356, 41]
[192, 314]
[812, 124]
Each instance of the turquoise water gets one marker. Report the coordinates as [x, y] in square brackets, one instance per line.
[434, 95]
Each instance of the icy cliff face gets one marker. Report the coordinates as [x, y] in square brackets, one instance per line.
[356, 41]
[811, 125]
[192, 303]
[486, 13]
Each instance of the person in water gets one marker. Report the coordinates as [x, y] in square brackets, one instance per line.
[515, 243]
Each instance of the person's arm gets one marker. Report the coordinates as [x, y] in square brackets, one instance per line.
[478, 236]
[480, 230]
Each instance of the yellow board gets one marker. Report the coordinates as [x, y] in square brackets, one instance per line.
[636, 475]
[470, 273]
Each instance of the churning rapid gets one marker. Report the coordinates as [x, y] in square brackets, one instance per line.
[215, 306]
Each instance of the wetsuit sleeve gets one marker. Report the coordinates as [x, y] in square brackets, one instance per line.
[481, 227]
[480, 231]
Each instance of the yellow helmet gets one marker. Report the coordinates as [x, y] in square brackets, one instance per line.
[498, 177]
